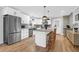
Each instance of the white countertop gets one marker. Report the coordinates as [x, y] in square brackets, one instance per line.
[44, 30]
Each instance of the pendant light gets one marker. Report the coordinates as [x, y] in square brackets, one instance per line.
[48, 15]
[45, 17]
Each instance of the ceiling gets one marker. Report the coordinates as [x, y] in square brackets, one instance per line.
[38, 11]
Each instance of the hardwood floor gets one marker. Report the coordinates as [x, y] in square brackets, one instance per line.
[26, 45]
[62, 44]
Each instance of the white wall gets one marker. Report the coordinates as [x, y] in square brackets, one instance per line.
[59, 23]
[66, 21]
[74, 13]
[1, 27]
[71, 20]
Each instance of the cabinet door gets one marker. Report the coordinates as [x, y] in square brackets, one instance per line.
[72, 38]
[76, 39]
[9, 11]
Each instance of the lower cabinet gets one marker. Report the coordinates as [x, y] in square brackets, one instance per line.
[51, 40]
[73, 37]
[24, 33]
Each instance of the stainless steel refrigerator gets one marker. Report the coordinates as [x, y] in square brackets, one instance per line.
[12, 29]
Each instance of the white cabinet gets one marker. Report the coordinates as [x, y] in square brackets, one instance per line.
[24, 33]
[9, 11]
[37, 21]
[25, 19]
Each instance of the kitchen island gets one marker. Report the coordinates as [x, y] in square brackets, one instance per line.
[41, 38]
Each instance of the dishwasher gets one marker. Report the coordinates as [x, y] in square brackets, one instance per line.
[30, 32]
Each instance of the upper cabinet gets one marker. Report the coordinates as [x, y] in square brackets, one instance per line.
[8, 10]
[77, 17]
[11, 11]
[25, 19]
[37, 21]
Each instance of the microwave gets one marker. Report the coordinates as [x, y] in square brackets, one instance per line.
[23, 26]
